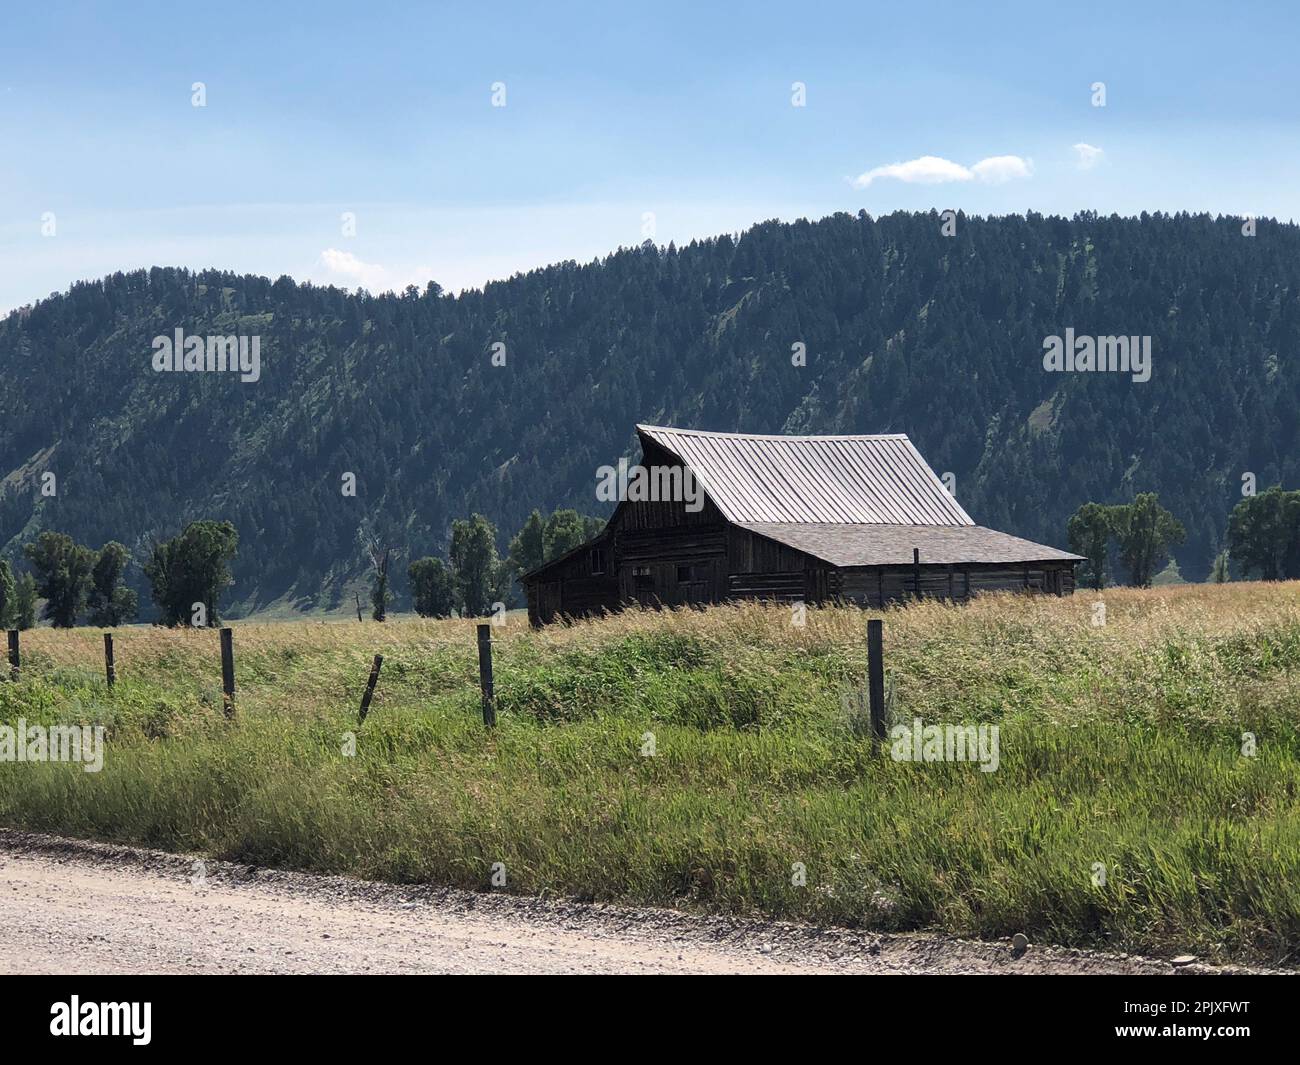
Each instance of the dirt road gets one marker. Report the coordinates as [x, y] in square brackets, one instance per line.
[71, 907]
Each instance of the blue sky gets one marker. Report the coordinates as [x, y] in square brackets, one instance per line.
[679, 111]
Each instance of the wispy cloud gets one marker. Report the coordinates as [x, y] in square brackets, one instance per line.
[1087, 156]
[932, 170]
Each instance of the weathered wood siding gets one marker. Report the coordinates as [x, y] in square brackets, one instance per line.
[878, 585]
[668, 555]
[569, 587]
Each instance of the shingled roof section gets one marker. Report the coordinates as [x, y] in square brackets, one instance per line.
[891, 545]
[854, 480]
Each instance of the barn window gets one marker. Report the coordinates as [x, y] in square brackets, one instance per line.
[684, 574]
[597, 560]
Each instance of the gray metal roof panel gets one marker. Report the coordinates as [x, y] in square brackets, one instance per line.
[869, 480]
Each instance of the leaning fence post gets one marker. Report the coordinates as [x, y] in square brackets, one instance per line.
[370, 686]
[228, 670]
[109, 670]
[485, 675]
[14, 656]
[876, 677]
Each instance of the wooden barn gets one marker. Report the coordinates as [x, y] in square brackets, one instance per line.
[860, 519]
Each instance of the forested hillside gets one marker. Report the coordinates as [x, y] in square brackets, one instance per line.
[906, 330]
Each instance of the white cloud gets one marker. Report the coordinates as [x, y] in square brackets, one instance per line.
[932, 170]
[1087, 156]
[346, 269]
[928, 170]
[348, 266]
[999, 168]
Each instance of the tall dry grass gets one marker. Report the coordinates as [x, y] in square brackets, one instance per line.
[1121, 749]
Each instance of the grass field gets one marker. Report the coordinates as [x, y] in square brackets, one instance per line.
[1123, 813]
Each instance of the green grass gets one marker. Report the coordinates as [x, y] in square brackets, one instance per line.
[1120, 749]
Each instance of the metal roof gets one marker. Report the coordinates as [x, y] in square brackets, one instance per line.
[891, 545]
[854, 480]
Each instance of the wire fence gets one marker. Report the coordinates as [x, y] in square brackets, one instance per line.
[879, 695]
[483, 641]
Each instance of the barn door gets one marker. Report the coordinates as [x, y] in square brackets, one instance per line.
[643, 585]
[698, 592]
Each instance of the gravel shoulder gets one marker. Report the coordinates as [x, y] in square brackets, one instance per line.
[74, 907]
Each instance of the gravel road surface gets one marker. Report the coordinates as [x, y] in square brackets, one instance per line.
[75, 907]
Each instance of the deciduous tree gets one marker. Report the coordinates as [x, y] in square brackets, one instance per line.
[25, 591]
[527, 547]
[111, 603]
[1264, 534]
[431, 587]
[1090, 529]
[192, 568]
[475, 564]
[1145, 531]
[63, 572]
[379, 541]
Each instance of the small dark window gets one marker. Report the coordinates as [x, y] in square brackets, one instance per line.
[643, 581]
[684, 574]
[597, 560]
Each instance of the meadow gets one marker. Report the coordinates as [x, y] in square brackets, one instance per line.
[1147, 795]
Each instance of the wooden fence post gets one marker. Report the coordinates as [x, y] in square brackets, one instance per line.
[876, 677]
[14, 655]
[370, 686]
[109, 669]
[358, 598]
[485, 675]
[228, 670]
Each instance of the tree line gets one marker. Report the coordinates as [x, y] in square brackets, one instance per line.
[1263, 538]
[74, 581]
[79, 584]
[188, 573]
